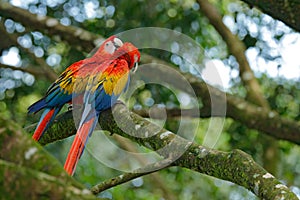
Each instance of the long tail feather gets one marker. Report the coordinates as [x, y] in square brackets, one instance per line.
[78, 145]
[37, 106]
[46, 119]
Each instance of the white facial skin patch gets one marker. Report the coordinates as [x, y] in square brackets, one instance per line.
[109, 47]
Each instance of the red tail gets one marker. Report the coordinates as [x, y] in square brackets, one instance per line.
[78, 146]
[46, 117]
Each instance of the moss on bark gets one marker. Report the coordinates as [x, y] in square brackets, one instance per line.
[29, 172]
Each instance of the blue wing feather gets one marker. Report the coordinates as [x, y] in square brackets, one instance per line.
[56, 98]
[37, 106]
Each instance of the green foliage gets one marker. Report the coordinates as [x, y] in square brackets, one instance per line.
[18, 90]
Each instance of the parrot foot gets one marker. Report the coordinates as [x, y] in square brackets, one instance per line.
[70, 107]
[120, 102]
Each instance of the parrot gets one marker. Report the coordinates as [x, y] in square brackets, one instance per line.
[97, 82]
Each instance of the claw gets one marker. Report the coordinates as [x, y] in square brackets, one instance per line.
[70, 107]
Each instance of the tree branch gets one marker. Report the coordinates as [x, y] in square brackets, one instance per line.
[46, 72]
[258, 118]
[123, 178]
[237, 49]
[4, 43]
[28, 171]
[254, 91]
[155, 178]
[23, 69]
[234, 166]
[175, 112]
[255, 117]
[238, 109]
[286, 11]
[75, 36]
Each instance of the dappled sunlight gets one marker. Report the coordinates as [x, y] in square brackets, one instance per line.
[213, 77]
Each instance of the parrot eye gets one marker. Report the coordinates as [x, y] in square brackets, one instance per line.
[109, 47]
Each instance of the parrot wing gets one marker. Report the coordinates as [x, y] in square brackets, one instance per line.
[70, 84]
[103, 89]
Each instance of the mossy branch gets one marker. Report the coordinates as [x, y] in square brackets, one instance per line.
[29, 172]
[235, 166]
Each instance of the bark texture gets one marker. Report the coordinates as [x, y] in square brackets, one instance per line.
[29, 172]
[235, 166]
[286, 11]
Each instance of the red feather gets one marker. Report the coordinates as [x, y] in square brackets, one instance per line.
[42, 125]
[104, 75]
[78, 146]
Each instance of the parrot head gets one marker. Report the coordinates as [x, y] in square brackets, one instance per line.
[131, 54]
[113, 47]
[108, 47]
[112, 44]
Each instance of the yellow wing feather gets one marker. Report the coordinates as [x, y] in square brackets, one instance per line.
[88, 77]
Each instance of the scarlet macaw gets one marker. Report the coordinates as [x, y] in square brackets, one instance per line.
[98, 81]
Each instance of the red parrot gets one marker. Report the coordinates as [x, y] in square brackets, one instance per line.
[98, 81]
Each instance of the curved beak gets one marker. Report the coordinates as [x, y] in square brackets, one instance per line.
[135, 67]
[117, 43]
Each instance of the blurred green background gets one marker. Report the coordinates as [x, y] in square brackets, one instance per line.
[271, 48]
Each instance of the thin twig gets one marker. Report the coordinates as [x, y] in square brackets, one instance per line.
[155, 177]
[123, 178]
